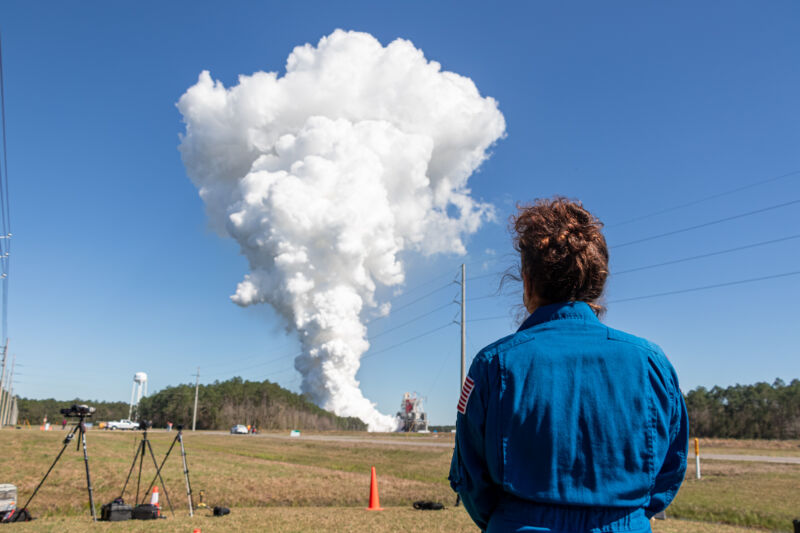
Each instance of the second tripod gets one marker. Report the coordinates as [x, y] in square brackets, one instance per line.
[178, 438]
[144, 447]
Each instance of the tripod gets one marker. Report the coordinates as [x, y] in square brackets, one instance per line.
[178, 438]
[144, 444]
[80, 427]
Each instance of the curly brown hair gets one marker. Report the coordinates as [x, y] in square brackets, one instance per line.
[563, 253]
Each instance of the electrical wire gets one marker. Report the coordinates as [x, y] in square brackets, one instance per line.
[5, 242]
[681, 260]
[706, 224]
[264, 363]
[410, 321]
[677, 291]
[437, 278]
[706, 287]
[709, 254]
[429, 332]
[703, 199]
[412, 302]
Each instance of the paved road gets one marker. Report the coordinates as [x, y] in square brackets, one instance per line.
[428, 442]
[399, 441]
[750, 458]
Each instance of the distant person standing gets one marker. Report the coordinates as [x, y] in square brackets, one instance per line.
[567, 425]
[63, 424]
[169, 426]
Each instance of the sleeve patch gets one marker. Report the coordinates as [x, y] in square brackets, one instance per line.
[466, 391]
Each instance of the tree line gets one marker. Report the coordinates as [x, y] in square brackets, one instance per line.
[35, 411]
[758, 411]
[220, 405]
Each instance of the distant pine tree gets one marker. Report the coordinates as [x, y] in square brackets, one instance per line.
[758, 411]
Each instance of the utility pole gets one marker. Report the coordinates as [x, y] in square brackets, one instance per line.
[3, 382]
[8, 407]
[463, 323]
[196, 389]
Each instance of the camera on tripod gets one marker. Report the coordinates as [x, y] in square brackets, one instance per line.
[76, 410]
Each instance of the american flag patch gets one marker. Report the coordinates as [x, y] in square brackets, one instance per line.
[466, 390]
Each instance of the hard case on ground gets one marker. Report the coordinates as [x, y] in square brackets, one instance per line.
[116, 512]
[145, 511]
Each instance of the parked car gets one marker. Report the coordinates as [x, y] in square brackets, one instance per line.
[239, 429]
[122, 424]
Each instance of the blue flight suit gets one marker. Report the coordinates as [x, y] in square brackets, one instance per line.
[569, 426]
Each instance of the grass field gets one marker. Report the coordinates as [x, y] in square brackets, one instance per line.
[276, 484]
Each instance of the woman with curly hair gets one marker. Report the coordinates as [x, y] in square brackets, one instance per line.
[567, 425]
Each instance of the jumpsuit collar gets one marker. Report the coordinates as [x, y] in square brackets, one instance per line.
[557, 311]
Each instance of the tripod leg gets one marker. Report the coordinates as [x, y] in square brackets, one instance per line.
[161, 466]
[141, 462]
[158, 472]
[66, 443]
[88, 477]
[186, 473]
[133, 464]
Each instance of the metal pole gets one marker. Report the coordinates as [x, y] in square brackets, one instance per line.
[9, 394]
[463, 323]
[186, 473]
[3, 382]
[88, 477]
[196, 389]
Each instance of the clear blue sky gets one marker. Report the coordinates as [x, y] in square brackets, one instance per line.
[632, 107]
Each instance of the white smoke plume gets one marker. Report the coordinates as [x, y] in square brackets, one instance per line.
[325, 174]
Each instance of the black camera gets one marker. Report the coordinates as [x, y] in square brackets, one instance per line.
[76, 410]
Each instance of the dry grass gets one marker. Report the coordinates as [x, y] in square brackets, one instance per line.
[741, 493]
[305, 520]
[306, 485]
[778, 448]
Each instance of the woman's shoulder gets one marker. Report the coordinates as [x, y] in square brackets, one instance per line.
[502, 344]
[656, 357]
[641, 342]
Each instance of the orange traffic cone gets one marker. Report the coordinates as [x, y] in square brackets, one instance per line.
[374, 500]
[154, 499]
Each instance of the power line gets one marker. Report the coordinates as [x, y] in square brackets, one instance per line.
[5, 242]
[705, 224]
[412, 302]
[257, 365]
[489, 275]
[264, 363]
[706, 287]
[429, 332]
[437, 278]
[678, 291]
[703, 199]
[410, 321]
[710, 254]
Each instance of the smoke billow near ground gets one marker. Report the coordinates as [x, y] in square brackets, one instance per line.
[325, 175]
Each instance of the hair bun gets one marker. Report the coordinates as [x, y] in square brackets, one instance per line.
[563, 250]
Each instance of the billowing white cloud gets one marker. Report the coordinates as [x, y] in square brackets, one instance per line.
[324, 175]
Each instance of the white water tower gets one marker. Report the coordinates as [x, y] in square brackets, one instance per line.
[139, 389]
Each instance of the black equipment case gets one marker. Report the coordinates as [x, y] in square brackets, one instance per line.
[145, 511]
[116, 511]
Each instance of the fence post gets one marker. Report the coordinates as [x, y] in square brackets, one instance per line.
[697, 458]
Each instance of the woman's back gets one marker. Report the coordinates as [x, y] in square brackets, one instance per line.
[576, 414]
[567, 425]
